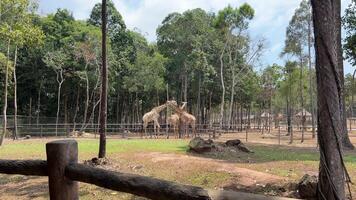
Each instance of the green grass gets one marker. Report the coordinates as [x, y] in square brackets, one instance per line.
[275, 153]
[37, 149]
[89, 147]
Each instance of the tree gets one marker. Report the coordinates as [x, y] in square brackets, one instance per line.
[298, 37]
[271, 76]
[349, 23]
[17, 29]
[57, 61]
[326, 18]
[104, 84]
[229, 21]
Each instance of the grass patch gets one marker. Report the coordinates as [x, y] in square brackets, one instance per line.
[36, 149]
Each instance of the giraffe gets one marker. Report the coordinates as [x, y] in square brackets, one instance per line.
[153, 115]
[185, 117]
[173, 121]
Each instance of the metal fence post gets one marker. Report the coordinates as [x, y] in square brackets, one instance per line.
[61, 153]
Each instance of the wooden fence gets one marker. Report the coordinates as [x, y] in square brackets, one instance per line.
[64, 172]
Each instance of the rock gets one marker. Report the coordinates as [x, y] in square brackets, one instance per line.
[96, 161]
[199, 145]
[233, 143]
[243, 148]
[238, 144]
[307, 186]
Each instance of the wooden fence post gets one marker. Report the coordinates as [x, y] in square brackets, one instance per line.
[61, 153]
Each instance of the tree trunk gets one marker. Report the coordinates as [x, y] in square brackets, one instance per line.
[330, 111]
[86, 106]
[4, 126]
[60, 82]
[104, 82]
[66, 115]
[199, 99]
[312, 107]
[76, 109]
[30, 112]
[346, 143]
[185, 83]
[223, 87]
[301, 96]
[117, 106]
[39, 104]
[231, 98]
[352, 98]
[15, 96]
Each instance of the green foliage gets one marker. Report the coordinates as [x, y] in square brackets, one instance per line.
[146, 74]
[230, 18]
[297, 30]
[349, 23]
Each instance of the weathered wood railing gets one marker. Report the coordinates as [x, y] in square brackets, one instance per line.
[64, 173]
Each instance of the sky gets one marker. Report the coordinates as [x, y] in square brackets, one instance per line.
[270, 21]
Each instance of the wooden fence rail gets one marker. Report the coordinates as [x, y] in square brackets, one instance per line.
[64, 173]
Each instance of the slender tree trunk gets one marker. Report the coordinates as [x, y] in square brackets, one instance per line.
[346, 143]
[137, 108]
[118, 107]
[104, 82]
[301, 95]
[326, 18]
[312, 107]
[86, 106]
[15, 96]
[185, 83]
[76, 110]
[4, 126]
[66, 115]
[199, 99]
[352, 97]
[60, 82]
[231, 97]
[30, 111]
[270, 108]
[210, 119]
[39, 104]
[223, 87]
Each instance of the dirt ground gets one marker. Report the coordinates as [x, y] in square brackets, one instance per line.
[264, 174]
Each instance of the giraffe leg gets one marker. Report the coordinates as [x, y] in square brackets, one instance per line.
[167, 131]
[158, 127]
[194, 130]
[186, 132]
[154, 130]
[145, 129]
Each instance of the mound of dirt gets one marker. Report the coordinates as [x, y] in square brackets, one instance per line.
[201, 146]
[97, 162]
[307, 186]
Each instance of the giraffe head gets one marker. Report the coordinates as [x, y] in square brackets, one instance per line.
[171, 103]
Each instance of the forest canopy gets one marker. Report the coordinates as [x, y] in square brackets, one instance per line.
[204, 58]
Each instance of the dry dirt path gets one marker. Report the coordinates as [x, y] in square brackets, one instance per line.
[246, 177]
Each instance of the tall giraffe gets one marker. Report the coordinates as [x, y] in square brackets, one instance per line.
[153, 115]
[173, 121]
[185, 117]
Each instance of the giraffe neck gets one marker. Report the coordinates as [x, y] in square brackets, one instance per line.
[177, 109]
[160, 108]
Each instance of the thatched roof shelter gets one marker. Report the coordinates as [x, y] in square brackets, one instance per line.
[265, 115]
[303, 112]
